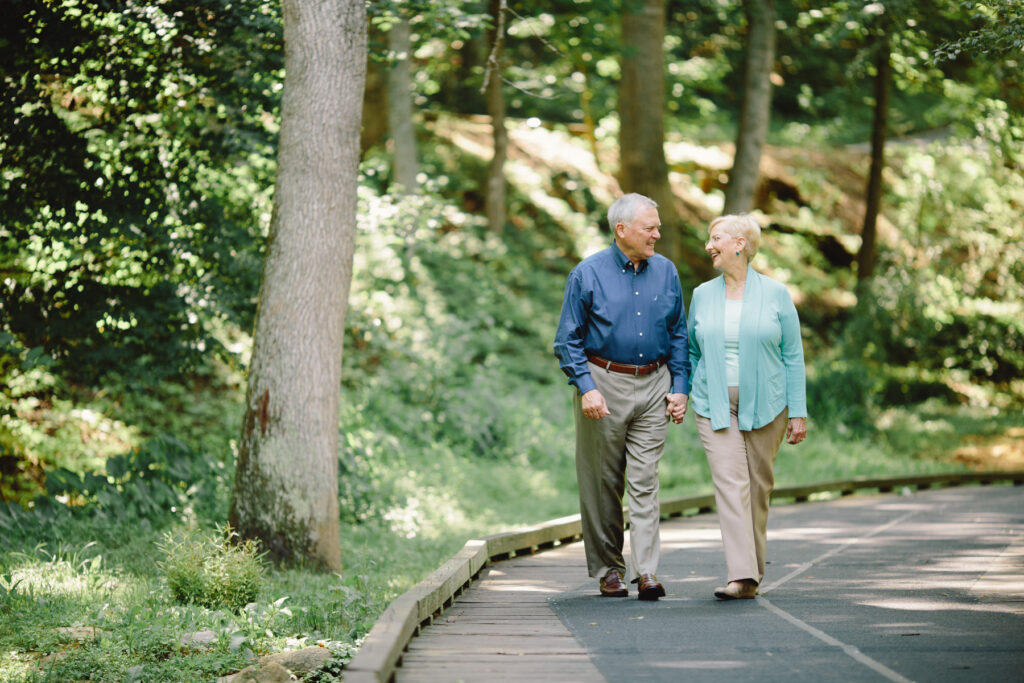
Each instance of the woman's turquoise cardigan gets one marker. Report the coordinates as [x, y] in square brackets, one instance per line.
[771, 353]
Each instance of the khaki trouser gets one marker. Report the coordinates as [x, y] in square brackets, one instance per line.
[741, 469]
[620, 453]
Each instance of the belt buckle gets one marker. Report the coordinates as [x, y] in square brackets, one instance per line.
[636, 370]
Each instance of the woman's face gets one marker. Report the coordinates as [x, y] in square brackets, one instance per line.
[722, 248]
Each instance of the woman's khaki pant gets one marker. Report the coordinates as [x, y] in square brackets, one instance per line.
[741, 470]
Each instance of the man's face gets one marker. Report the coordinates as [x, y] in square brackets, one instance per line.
[637, 239]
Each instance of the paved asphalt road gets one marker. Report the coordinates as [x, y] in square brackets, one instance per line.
[919, 586]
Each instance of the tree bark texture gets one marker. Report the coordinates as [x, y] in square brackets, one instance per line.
[873, 202]
[403, 133]
[286, 486]
[496, 201]
[642, 165]
[755, 111]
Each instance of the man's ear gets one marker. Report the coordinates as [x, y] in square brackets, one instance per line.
[620, 229]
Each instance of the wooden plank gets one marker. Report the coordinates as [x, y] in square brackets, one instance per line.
[381, 650]
[452, 576]
[678, 506]
[497, 629]
[525, 540]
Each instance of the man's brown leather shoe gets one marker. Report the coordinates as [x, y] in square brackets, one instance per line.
[649, 587]
[737, 590]
[612, 586]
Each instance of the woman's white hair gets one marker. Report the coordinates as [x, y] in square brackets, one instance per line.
[624, 209]
[741, 225]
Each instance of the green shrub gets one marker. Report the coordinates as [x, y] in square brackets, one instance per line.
[211, 569]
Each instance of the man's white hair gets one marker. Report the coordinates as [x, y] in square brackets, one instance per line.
[624, 209]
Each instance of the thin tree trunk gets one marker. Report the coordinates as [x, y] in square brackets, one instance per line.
[586, 100]
[642, 166]
[755, 112]
[403, 134]
[496, 201]
[286, 481]
[883, 78]
[375, 101]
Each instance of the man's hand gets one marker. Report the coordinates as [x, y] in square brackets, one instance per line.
[676, 408]
[594, 406]
[797, 430]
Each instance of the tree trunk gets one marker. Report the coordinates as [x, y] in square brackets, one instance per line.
[496, 199]
[375, 102]
[403, 134]
[883, 80]
[755, 112]
[642, 165]
[286, 482]
[589, 125]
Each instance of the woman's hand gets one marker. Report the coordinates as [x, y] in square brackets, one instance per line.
[676, 406]
[797, 430]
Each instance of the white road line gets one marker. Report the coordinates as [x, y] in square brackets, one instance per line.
[835, 551]
[850, 650]
[829, 640]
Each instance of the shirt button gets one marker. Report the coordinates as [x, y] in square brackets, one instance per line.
[641, 334]
[641, 355]
[638, 312]
[636, 293]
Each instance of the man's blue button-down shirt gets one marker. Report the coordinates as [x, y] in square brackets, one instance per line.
[622, 314]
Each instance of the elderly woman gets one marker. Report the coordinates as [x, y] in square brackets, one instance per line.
[748, 391]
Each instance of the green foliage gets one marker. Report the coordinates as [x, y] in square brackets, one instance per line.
[956, 305]
[137, 147]
[160, 478]
[212, 569]
[998, 28]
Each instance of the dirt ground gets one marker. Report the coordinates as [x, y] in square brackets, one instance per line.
[1002, 452]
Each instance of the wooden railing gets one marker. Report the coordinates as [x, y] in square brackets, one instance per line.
[381, 651]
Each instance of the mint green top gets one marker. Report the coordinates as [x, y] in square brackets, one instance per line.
[771, 354]
[733, 310]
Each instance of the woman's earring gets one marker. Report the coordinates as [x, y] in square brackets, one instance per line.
[737, 253]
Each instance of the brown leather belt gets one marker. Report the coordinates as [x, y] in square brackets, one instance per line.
[625, 369]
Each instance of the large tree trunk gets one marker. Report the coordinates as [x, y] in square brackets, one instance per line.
[496, 199]
[873, 202]
[403, 134]
[642, 165]
[286, 482]
[755, 112]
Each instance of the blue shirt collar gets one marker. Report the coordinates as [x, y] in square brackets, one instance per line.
[623, 261]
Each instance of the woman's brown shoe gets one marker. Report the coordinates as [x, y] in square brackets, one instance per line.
[737, 590]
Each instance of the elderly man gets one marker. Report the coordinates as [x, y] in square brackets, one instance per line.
[621, 341]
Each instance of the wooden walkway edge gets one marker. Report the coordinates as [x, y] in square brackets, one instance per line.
[383, 648]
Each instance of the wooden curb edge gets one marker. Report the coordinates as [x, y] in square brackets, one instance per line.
[382, 649]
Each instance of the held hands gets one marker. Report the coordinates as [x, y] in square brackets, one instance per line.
[796, 431]
[676, 408]
[593, 405]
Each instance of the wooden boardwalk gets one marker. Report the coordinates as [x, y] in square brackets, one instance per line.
[503, 628]
[500, 610]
